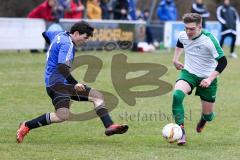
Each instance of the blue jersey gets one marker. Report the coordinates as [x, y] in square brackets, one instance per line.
[61, 51]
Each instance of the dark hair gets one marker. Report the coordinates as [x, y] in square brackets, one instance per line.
[192, 18]
[82, 27]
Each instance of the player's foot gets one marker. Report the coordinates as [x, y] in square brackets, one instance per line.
[116, 129]
[182, 141]
[22, 132]
[200, 125]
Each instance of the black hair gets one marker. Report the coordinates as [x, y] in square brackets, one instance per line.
[82, 27]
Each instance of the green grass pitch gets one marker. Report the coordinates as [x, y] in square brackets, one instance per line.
[23, 97]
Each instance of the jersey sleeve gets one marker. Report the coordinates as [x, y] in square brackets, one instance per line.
[215, 48]
[180, 39]
[65, 55]
[179, 44]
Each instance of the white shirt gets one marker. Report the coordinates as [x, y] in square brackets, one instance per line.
[201, 53]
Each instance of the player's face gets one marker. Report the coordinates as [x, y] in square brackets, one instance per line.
[192, 30]
[79, 38]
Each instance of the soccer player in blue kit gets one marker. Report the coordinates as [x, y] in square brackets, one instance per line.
[62, 87]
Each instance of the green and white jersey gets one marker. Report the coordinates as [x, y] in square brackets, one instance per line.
[201, 53]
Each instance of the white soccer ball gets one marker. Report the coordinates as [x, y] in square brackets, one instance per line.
[172, 132]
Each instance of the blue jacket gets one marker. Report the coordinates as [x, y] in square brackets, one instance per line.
[167, 10]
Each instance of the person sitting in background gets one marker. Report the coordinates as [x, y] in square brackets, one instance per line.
[200, 8]
[44, 11]
[94, 10]
[167, 10]
[76, 10]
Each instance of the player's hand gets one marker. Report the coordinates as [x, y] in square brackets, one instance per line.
[178, 65]
[79, 87]
[205, 83]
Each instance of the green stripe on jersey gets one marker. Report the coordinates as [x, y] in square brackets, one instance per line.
[215, 43]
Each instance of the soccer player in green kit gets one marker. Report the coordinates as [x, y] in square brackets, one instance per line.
[204, 61]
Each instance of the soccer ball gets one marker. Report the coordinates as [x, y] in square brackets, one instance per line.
[172, 132]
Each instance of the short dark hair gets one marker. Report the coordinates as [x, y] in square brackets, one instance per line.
[82, 27]
[192, 18]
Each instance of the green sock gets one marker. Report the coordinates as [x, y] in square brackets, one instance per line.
[208, 117]
[177, 106]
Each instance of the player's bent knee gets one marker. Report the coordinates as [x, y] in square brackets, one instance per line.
[96, 94]
[97, 97]
[63, 114]
[178, 96]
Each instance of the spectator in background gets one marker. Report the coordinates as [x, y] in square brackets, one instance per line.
[44, 11]
[61, 7]
[94, 10]
[120, 9]
[110, 7]
[167, 10]
[200, 8]
[228, 17]
[139, 15]
[105, 9]
[149, 34]
[75, 11]
[148, 44]
[132, 10]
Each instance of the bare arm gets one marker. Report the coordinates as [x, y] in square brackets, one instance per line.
[176, 62]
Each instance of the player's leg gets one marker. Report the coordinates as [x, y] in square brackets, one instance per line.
[183, 86]
[208, 96]
[181, 89]
[61, 103]
[61, 115]
[207, 115]
[96, 97]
